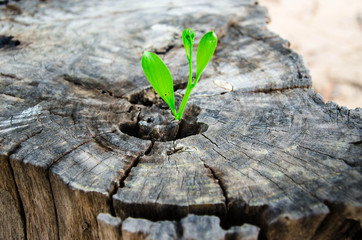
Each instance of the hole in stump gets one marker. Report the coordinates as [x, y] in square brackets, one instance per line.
[155, 121]
[158, 124]
[8, 42]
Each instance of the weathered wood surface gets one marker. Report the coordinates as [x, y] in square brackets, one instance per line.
[109, 227]
[191, 227]
[257, 146]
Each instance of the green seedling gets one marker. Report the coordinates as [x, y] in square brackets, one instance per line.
[160, 77]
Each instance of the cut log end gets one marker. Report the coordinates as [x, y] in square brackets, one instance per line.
[88, 150]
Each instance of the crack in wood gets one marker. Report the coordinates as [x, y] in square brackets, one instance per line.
[260, 224]
[209, 140]
[101, 143]
[238, 170]
[285, 193]
[112, 191]
[271, 90]
[149, 149]
[70, 116]
[54, 205]
[53, 162]
[10, 75]
[20, 202]
[256, 38]
[17, 146]
[68, 152]
[356, 142]
[249, 214]
[179, 229]
[284, 173]
[296, 75]
[328, 155]
[220, 183]
[289, 154]
[119, 183]
[7, 42]
[91, 85]
[165, 50]
[133, 165]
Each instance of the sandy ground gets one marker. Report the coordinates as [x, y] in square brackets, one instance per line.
[328, 34]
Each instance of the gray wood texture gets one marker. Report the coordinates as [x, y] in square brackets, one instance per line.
[192, 227]
[109, 227]
[80, 128]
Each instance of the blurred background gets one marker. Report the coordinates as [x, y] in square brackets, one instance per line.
[328, 34]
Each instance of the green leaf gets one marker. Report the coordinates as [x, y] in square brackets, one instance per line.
[205, 51]
[188, 39]
[159, 77]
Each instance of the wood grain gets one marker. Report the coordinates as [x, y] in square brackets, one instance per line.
[109, 227]
[192, 227]
[257, 149]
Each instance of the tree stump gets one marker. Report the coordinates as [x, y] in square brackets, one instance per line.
[257, 155]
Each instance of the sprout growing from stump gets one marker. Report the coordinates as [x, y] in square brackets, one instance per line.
[160, 77]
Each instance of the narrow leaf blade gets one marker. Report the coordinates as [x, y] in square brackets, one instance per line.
[205, 51]
[159, 77]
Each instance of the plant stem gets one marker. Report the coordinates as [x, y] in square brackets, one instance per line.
[184, 102]
[189, 88]
[196, 80]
